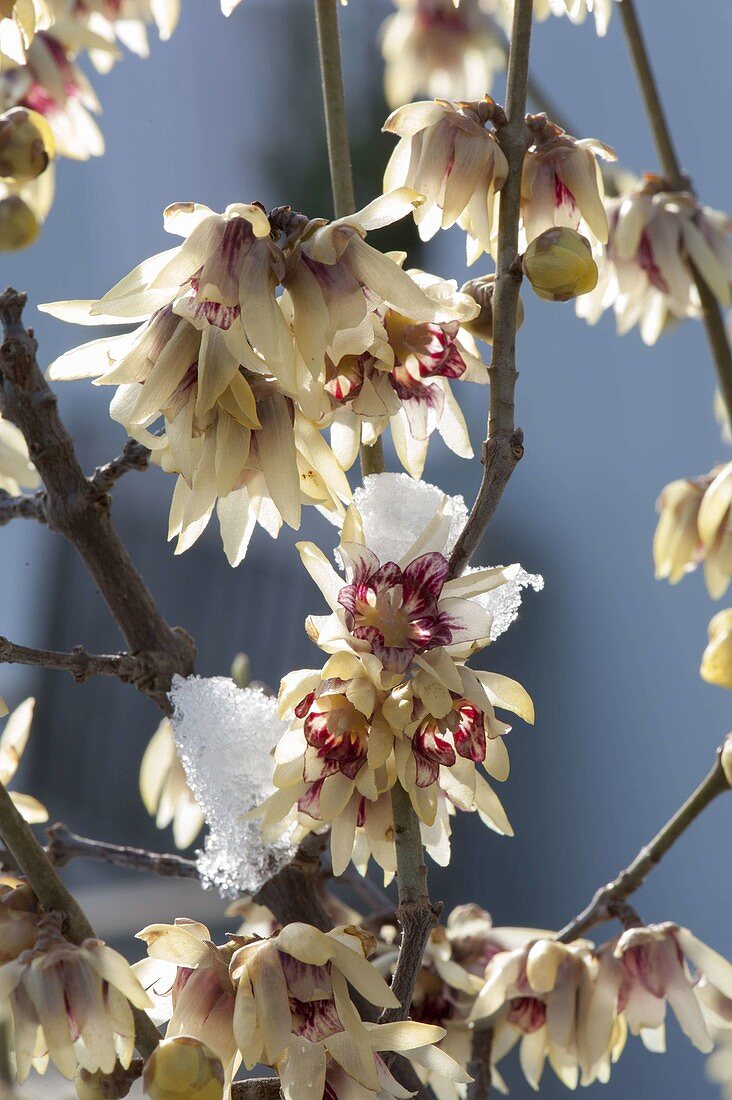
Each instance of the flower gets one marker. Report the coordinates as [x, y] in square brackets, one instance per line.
[53, 85]
[187, 977]
[164, 790]
[446, 153]
[70, 1003]
[20, 913]
[645, 969]
[577, 11]
[402, 381]
[695, 524]
[716, 665]
[12, 746]
[19, 21]
[104, 22]
[655, 236]
[17, 472]
[183, 1067]
[438, 49]
[561, 183]
[559, 265]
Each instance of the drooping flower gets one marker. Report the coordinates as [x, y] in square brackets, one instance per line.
[647, 968]
[695, 525]
[441, 50]
[107, 22]
[656, 234]
[577, 11]
[17, 472]
[187, 976]
[561, 185]
[12, 746]
[716, 665]
[164, 790]
[20, 912]
[70, 1004]
[402, 381]
[447, 154]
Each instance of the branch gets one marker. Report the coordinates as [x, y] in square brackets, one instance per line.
[417, 915]
[292, 894]
[609, 901]
[64, 846]
[504, 445]
[77, 508]
[479, 1066]
[677, 180]
[134, 456]
[257, 1088]
[54, 897]
[27, 506]
[140, 669]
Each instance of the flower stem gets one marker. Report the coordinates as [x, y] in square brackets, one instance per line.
[54, 897]
[610, 898]
[658, 121]
[504, 445]
[339, 152]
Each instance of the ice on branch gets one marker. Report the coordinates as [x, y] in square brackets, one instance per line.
[225, 736]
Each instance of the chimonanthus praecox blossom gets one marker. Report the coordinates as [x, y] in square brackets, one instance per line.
[695, 525]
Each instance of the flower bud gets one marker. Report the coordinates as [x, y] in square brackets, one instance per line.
[26, 144]
[103, 1086]
[183, 1068]
[559, 265]
[19, 226]
[482, 291]
[716, 666]
[726, 758]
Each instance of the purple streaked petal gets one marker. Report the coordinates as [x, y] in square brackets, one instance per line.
[360, 562]
[469, 737]
[423, 581]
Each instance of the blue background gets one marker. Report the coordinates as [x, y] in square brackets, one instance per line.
[229, 111]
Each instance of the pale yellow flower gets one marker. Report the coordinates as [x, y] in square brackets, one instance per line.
[695, 525]
[12, 746]
[716, 665]
[183, 1067]
[70, 1004]
[577, 11]
[17, 472]
[441, 50]
[447, 154]
[164, 790]
[19, 21]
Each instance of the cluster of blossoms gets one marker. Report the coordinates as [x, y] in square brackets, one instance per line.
[42, 83]
[281, 998]
[447, 152]
[695, 526]
[657, 238]
[571, 1005]
[231, 386]
[396, 700]
[67, 1004]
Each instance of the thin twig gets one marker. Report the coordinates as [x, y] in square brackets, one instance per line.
[479, 1066]
[27, 506]
[54, 897]
[64, 846]
[679, 181]
[504, 445]
[77, 508]
[134, 456]
[139, 669]
[609, 901]
[417, 915]
[292, 894]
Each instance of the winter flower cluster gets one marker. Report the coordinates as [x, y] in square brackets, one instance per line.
[283, 1000]
[42, 84]
[695, 526]
[396, 700]
[231, 386]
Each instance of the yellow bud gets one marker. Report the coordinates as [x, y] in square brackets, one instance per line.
[559, 265]
[26, 145]
[183, 1068]
[19, 226]
[103, 1086]
[482, 290]
[241, 671]
[727, 758]
[716, 666]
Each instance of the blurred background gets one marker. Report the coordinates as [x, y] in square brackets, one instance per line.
[230, 111]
